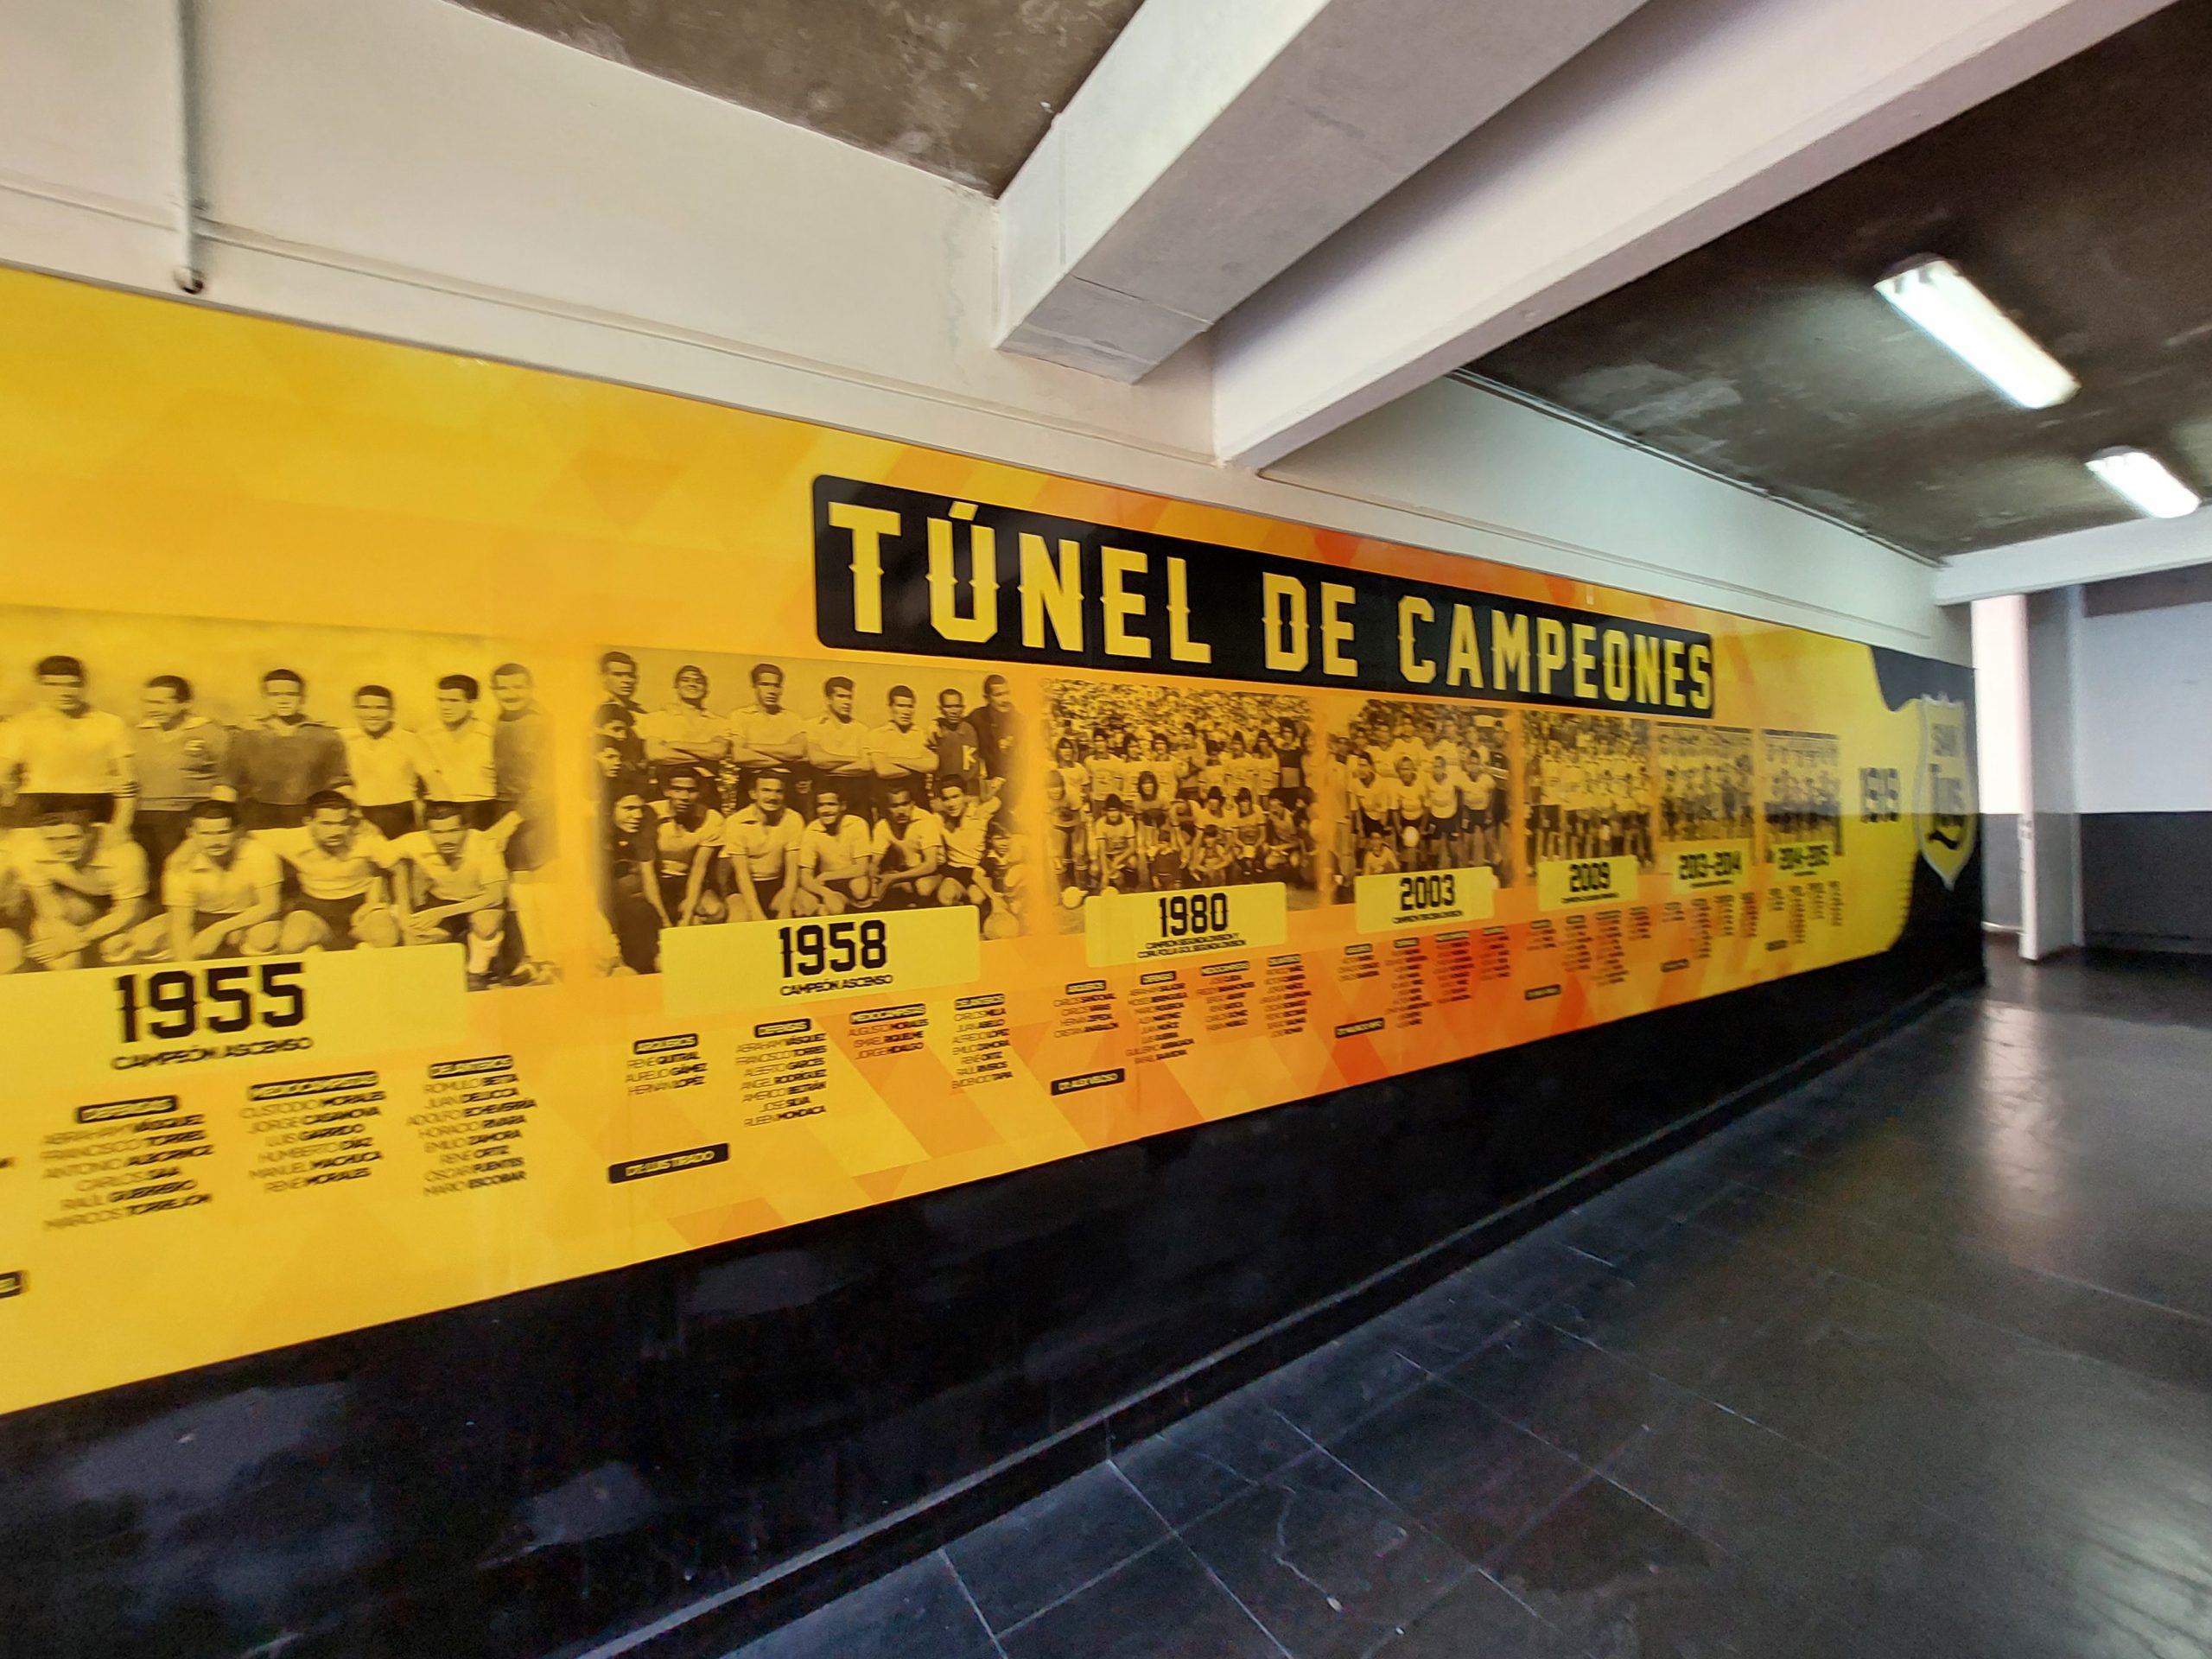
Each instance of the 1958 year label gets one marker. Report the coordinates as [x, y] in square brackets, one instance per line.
[817, 958]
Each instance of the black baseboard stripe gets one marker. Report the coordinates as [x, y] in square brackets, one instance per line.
[2159, 944]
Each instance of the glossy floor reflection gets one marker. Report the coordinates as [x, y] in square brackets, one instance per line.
[1917, 1360]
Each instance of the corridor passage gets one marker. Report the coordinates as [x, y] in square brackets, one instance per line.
[1917, 1360]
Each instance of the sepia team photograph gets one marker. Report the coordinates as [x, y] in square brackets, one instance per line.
[1804, 790]
[737, 789]
[1420, 786]
[1589, 786]
[1150, 788]
[1706, 786]
[181, 791]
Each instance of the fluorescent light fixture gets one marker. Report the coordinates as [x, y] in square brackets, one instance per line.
[1940, 301]
[2144, 481]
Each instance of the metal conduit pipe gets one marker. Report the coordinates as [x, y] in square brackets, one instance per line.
[185, 272]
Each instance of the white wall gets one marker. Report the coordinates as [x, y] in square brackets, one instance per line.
[2143, 710]
[1617, 514]
[412, 169]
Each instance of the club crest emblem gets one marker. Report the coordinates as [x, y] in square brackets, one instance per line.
[1943, 794]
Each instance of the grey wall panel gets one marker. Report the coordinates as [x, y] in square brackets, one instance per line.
[2001, 877]
[2147, 879]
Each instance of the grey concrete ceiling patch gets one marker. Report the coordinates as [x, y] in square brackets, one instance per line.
[2081, 202]
[964, 88]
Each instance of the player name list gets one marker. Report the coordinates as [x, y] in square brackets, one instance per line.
[1172, 1011]
[473, 1125]
[660, 1065]
[155, 1155]
[783, 1070]
[315, 1131]
[126, 1159]
[1412, 979]
[982, 1045]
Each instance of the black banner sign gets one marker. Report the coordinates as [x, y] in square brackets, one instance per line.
[668, 1163]
[897, 570]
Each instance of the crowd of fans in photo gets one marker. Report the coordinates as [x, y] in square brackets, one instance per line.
[176, 835]
[1589, 785]
[1424, 787]
[739, 806]
[1149, 788]
[1804, 788]
[1705, 783]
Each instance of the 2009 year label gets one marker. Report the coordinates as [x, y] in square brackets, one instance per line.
[1424, 898]
[789, 963]
[1125, 927]
[1566, 883]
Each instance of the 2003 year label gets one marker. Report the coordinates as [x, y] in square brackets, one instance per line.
[1424, 898]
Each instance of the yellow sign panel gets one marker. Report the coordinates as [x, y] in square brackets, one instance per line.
[1710, 865]
[150, 1024]
[709, 970]
[1567, 884]
[1799, 860]
[1424, 899]
[1119, 928]
[482, 828]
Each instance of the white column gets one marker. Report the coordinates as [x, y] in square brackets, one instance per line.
[2000, 698]
[1217, 142]
[2050, 827]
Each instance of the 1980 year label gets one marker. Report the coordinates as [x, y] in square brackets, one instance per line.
[1125, 927]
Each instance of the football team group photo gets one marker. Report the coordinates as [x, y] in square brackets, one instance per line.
[1804, 790]
[183, 791]
[753, 788]
[1421, 786]
[203, 790]
[1589, 786]
[1151, 788]
[1706, 786]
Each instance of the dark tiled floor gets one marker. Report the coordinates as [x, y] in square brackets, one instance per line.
[1917, 1362]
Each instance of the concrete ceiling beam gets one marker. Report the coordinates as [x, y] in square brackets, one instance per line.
[1217, 144]
[1689, 118]
[2136, 547]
